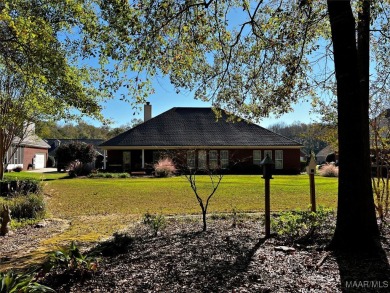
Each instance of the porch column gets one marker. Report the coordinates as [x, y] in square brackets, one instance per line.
[143, 159]
[104, 159]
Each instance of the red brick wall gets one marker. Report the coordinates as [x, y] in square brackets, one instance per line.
[29, 153]
[241, 160]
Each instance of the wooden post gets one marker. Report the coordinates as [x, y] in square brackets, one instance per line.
[267, 165]
[312, 193]
[311, 170]
[267, 209]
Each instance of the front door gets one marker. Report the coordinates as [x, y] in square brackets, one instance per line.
[126, 161]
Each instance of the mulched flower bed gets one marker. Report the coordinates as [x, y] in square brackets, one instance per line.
[223, 259]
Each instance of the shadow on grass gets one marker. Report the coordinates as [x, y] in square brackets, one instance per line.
[364, 273]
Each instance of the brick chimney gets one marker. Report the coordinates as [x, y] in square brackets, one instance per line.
[29, 128]
[147, 111]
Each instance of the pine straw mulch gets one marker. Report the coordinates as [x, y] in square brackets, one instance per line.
[18, 246]
[223, 259]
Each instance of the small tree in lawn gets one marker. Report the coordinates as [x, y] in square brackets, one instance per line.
[215, 180]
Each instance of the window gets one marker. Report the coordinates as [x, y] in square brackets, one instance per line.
[213, 160]
[15, 155]
[191, 159]
[278, 159]
[224, 156]
[269, 153]
[256, 157]
[126, 161]
[202, 160]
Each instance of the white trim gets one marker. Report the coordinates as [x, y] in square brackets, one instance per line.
[213, 159]
[224, 161]
[198, 147]
[279, 162]
[202, 159]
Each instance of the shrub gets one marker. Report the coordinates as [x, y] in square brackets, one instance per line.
[17, 169]
[164, 168]
[13, 282]
[155, 222]
[72, 259]
[119, 244]
[109, 175]
[28, 186]
[31, 206]
[20, 187]
[76, 151]
[77, 168]
[295, 224]
[329, 170]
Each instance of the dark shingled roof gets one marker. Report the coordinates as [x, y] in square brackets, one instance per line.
[197, 127]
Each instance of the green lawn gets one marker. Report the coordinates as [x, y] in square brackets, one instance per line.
[99, 207]
[135, 196]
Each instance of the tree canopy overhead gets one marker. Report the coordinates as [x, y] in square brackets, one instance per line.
[250, 57]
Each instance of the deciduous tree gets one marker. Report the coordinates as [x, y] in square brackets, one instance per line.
[53, 57]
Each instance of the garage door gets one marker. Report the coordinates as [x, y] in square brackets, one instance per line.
[39, 161]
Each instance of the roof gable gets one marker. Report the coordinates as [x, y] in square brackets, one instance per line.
[197, 127]
[31, 141]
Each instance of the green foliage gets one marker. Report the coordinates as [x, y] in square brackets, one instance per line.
[81, 130]
[109, 175]
[302, 133]
[20, 187]
[11, 282]
[31, 206]
[71, 258]
[155, 222]
[296, 224]
[76, 151]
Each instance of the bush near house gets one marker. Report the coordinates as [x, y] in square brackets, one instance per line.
[77, 151]
[164, 168]
[329, 170]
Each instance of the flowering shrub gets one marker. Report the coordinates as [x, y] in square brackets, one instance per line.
[77, 168]
[329, 170]
[164, 168]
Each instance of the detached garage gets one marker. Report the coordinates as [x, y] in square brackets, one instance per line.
[31, 153]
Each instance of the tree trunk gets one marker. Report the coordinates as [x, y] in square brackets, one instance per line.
[204, 212]
[356, 227]
[3, 152]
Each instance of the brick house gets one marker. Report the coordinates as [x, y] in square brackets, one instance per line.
[30, 153]
[194, 138]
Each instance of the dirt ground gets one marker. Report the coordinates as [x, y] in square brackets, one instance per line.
[226, 258]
